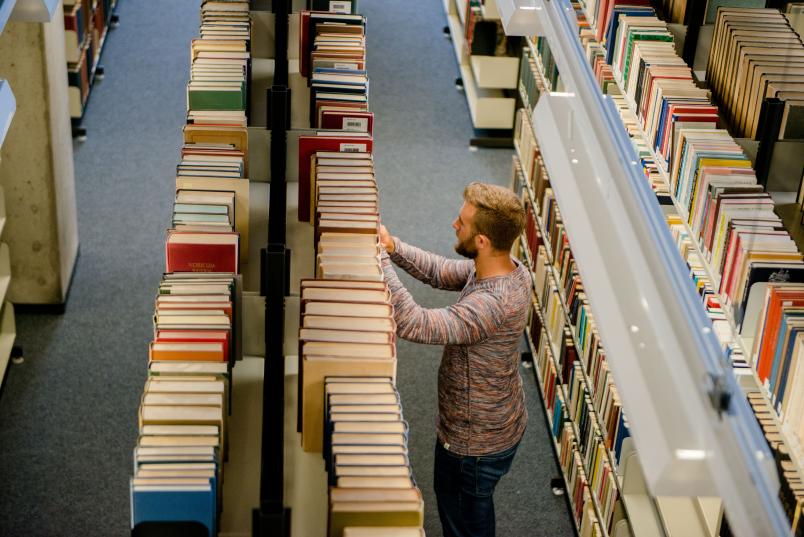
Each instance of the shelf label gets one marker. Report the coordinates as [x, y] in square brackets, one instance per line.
[340, 7]
[353, 148]
[355, 124]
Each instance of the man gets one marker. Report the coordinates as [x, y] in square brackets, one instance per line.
[481, 405]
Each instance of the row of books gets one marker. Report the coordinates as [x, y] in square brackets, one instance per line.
[333, 53]
[740, 263]
[86, 25]
[183, 442]
[349, 408]
[579, 351]
[566, 307]
[578, 460]
[676, 141]
[710, 177]
[755, 55]
[569, 355]
[530, 84]
[211, 211]
[791, 492]
[654, 172]
[182, 446]
[366, 456]
[731, 217]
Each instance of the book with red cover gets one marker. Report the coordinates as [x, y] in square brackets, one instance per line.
[309, 145]
[201, 252]
[348, 120]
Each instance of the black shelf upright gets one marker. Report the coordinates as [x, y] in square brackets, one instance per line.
[271, 518]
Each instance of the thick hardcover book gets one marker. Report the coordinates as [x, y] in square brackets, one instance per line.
[202, 252]
[347, 120]
[155, 503]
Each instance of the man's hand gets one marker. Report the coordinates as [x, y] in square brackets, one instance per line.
[386, 240]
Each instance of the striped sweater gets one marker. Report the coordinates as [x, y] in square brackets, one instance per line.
[481, 404]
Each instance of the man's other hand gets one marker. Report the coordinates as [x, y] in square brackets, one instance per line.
[386, 240]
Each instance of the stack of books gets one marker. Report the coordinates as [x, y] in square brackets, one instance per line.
[366, 456]
[204, 211]
[182, 445]
[361, 341]
[756, 55]
[333, 58]
[220, 59]
[345, 197]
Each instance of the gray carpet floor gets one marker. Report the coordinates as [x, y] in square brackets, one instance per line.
[67, 416]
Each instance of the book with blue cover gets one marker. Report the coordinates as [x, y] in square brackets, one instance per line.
[173, 500]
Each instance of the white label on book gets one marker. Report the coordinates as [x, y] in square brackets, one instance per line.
[355, 124]
[339, 65]
[340, 7]
[353, 148]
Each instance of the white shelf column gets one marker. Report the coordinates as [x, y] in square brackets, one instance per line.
[36, 171]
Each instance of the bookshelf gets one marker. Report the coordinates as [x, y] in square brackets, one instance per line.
[484, 78]
[645, 514]
[597, 183]
[86, 27]
[31, 10]
[670, 516]
[740, 341]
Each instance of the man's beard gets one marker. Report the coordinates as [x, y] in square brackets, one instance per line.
[467, 248]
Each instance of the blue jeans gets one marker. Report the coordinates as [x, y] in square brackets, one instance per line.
[464, 488]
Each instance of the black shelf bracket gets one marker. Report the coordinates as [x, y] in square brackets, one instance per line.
[271, 518]
[770, 123]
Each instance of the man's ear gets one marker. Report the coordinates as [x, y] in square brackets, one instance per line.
[481, 242]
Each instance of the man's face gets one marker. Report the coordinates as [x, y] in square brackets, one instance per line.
[464, 231]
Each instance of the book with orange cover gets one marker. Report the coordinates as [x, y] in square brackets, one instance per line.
[779, 297]
[213, 351]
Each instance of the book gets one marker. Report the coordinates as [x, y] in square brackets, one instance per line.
[202, 252]
[343, 514]
[187, 500]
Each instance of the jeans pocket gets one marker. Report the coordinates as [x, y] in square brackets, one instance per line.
[490, 468]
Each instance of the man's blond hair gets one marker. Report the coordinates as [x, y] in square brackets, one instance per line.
[499, 216]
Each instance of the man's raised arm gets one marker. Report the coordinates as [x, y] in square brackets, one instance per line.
[432, 269]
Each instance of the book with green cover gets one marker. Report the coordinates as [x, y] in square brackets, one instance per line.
[216, 99]
[638, 34]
